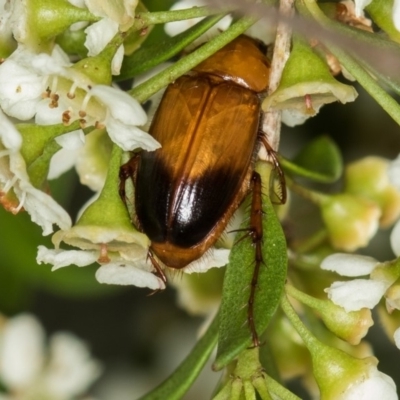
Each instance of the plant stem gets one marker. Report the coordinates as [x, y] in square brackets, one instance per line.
[144, 19]
[271, 124]
[308, 338]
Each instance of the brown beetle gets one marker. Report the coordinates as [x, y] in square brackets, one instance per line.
[208, 126]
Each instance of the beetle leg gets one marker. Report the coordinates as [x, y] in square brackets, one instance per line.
[126, 171]
[158, 270]
[274, 159]
[256, 234]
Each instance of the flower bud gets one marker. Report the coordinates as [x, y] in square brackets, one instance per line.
[350, 326]
[27, 19]
[368, 178]
[351, 221]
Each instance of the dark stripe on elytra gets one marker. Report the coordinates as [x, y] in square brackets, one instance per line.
[182, 213]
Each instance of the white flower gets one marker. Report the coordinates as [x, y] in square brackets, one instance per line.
[130, 267]
[376, 385]
[21, 352]
[24, 77]
[70, 369]
[118, 271]
[116, 16]
[358, 293]
[43, 210]
[124, 115]
[28, 370]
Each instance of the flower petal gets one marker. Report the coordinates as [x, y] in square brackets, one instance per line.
[117, 274]
[21, 350]
[116, 63]
[395, 239]
[360, 5]
[67, 157]
[20, 90]
[394, 170]
[356, 294]
[396, 337]
[63, 258]
[213, 258]
[9, 135]
[61, 162]
[44, 211]
[71, 140]
[376, 386]
[129, 137]
[71, 369]
[99, 34]
[349, 264]
[121, 106]
[396, 14]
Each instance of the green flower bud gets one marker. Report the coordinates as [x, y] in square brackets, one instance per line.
[368, 178]
[30, 29]
[351, 221]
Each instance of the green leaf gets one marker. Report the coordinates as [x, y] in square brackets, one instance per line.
[320, 161]
[176, 385]
[149, 56]
[234, 332]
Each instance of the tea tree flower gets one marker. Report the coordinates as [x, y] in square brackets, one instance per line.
[23, 79]
[43, 210]
[62, 371]
[355, 294]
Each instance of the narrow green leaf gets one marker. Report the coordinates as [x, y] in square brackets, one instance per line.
[320, 161]
[150, 56]
[176, 385]
[234, 332]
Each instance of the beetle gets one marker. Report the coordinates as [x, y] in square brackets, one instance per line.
[208, 126]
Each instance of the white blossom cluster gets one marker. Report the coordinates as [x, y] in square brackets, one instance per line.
[32, 368]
